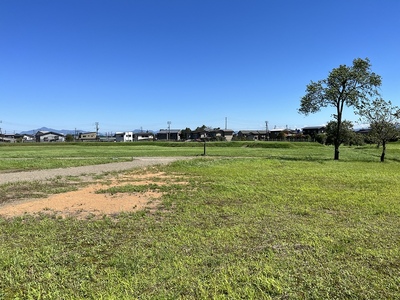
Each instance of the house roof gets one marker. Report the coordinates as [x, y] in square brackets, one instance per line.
[252, 131]
[314, 127]
[41, 133]
[277, 129]
[169, 131]
[225, 130]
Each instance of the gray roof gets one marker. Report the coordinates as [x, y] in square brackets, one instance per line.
[314, 127]
[169, 131]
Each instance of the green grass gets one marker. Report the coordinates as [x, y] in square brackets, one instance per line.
[24, 157]
[129, 188]
[14, 191]
[290, 225]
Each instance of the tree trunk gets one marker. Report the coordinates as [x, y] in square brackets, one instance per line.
[336, 152]
[383, 151]
[339, 124]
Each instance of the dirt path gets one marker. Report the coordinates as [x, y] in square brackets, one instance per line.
[94, 169]
[86, 201]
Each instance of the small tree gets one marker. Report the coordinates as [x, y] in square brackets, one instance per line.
[383, 119]
[186, 133]
[346, 133]
[345, 86]
[69, 138]
[321, 138]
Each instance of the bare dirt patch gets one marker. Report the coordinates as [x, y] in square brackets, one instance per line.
[87, 202]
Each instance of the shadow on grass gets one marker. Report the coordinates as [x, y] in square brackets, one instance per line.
[371, 159]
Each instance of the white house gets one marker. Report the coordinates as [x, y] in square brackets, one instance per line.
[144, 136]
[26, 138]
[49, 136]
[126, 136]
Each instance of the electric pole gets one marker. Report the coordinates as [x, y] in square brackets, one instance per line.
[266, 130]
[97, 130]
[169, 130]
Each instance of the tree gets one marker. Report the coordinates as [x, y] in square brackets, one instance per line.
[186, 133]
[345, 86]
[69, 138]
[383, 119]
[346, 133]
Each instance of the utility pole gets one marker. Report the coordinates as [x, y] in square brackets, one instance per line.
[169, 130]
[97, 130]
[226, 123]
[266, 130]
[0, 127]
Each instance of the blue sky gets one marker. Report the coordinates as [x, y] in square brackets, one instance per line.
[133, 64]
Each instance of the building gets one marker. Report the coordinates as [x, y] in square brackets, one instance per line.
[144, 136]
[220, 134]
[129, 136]
[202, 133]
[169, 135]
[313, 131]
[8, 138]
[126, 136]
[253, 135]
[49, 136]
[27, 138]
[87, 136]
[277, 133]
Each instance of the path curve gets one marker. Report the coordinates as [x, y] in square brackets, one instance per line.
[137, 162]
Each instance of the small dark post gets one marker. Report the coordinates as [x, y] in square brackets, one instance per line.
[204, 153]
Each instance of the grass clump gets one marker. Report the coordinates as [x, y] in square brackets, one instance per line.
[21, 190]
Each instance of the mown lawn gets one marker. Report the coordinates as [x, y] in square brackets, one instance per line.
[289, 225]
[25, 157]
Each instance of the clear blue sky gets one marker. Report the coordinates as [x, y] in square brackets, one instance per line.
[131, 64]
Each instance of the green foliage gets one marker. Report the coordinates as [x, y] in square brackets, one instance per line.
[357, 139]
[345, 86]
[321, 138]
[186, 133]
[383, 119]
[347, 135]
[69, 138]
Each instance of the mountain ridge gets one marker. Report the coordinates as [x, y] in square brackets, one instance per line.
[69, 131]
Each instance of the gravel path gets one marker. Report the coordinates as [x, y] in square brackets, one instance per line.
[93, 169]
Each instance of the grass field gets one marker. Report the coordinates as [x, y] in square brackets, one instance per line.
[23, 157]
[282, 221]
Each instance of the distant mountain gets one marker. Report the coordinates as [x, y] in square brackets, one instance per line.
[142, 130]
[69, 131]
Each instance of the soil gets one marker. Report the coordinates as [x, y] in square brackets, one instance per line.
[85, 202]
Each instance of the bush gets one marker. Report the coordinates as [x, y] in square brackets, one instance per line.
[321, 138]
